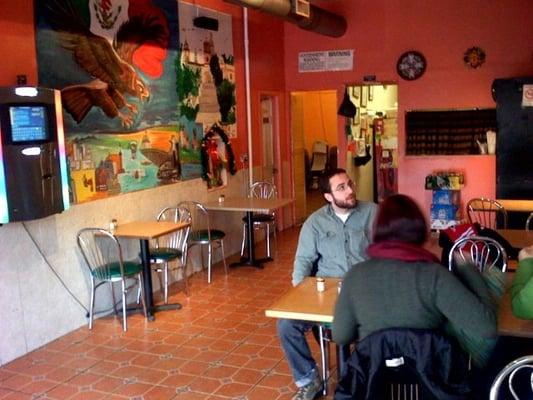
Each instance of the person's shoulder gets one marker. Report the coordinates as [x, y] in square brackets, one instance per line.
[366, 205]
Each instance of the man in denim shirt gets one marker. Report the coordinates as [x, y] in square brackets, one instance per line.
[332, 240]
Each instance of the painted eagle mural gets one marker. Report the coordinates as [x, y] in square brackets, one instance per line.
[129, 38]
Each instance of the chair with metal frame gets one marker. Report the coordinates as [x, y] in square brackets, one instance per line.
[262, 190]
[528, 221]
[487, 212]
[485, 253]
[202, 234]
[170, 248]
[103, 256]
[510, 371]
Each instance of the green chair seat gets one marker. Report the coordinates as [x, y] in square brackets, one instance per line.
[203, 236]
[113, 269]
[163, 254]
[260, 218]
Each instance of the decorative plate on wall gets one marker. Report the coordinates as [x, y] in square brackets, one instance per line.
[474, 57]
[411, 65]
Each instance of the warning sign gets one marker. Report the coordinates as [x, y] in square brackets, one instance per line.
[527, 96]
[331, 60]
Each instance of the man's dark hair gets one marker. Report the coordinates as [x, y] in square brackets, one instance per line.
[323, 181]
[399, 218]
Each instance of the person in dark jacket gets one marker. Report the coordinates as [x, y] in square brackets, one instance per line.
[403, 285]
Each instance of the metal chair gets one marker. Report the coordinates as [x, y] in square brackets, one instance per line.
[262, 190]
[528, 221]
[510, 370]
[103, 256]
[319, 161]
[172, 247]
[203, 234]
[487, 212]
[485, 253]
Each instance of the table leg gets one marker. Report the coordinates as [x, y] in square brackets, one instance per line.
[147, 285]
[147, 279]
[250, 261]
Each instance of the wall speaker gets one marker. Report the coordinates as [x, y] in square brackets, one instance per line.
[206, 23]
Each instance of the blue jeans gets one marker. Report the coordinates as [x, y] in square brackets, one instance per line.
[291, 334]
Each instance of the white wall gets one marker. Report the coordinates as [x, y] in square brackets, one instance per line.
[34, 307]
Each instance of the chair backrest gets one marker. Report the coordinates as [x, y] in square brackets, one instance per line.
[263, 190]
[511, 370]
[528, 221]
[178, 239]
[319, 157]
[100, 250]
[487, 212]
[406, 357]
[199, 217]
[485, 253]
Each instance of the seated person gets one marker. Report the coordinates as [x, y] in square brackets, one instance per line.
[332, 239]
[403, 285]
[521, 289]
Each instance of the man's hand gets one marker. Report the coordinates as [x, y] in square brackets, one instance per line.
[526, 252]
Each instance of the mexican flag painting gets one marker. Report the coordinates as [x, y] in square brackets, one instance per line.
[114, 63]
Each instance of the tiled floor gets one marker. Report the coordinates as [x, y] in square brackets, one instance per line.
[219, 346]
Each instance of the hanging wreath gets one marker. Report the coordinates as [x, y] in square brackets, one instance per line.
[474, 57]
[211, 135]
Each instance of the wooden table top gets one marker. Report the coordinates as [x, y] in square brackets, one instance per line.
[516, 205]
[304, 302]
[518, 238]
[248, 204]
[148, 229]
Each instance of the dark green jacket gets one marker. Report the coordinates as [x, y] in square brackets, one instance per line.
[379, 294]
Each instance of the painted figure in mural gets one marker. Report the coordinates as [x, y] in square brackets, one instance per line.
[138, 42]
[215, 162]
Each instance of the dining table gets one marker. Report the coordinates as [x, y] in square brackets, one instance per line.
[249, 205]
[145, 231]
[304, 302]
[518, 238]
[516, 205]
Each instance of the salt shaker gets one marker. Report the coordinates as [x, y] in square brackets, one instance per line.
[221, 198]
[320, 284]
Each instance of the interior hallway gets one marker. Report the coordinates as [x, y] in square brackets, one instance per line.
[219, 346]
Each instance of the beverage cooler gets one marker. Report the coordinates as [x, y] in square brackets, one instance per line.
[514, 142]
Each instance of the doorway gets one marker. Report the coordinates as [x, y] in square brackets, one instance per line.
[314, 145]
[372, 141]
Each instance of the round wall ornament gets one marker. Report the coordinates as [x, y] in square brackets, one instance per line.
[474, 57]
[411, 65]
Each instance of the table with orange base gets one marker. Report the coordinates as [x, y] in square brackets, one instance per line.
[144, 231]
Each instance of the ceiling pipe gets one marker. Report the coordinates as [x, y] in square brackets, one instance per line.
[319, 21]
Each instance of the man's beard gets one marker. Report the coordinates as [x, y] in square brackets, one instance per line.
[345, 204]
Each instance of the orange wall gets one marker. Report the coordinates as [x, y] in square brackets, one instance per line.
[380, 31]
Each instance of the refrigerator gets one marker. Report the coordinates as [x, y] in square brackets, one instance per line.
[514, 143]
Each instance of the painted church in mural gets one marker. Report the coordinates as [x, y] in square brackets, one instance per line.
[121, 80]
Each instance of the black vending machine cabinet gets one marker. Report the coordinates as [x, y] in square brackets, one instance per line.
[33, 168]
[514, 143]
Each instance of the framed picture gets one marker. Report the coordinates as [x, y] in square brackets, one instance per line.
[370, 93]
[364, 96]
[356, 92]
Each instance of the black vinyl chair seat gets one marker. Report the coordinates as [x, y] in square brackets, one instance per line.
[261, 218]
[203, 235]
[162, 254]
[112, 270]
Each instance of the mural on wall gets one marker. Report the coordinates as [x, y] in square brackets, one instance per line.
[206, 89]
[114, 62]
